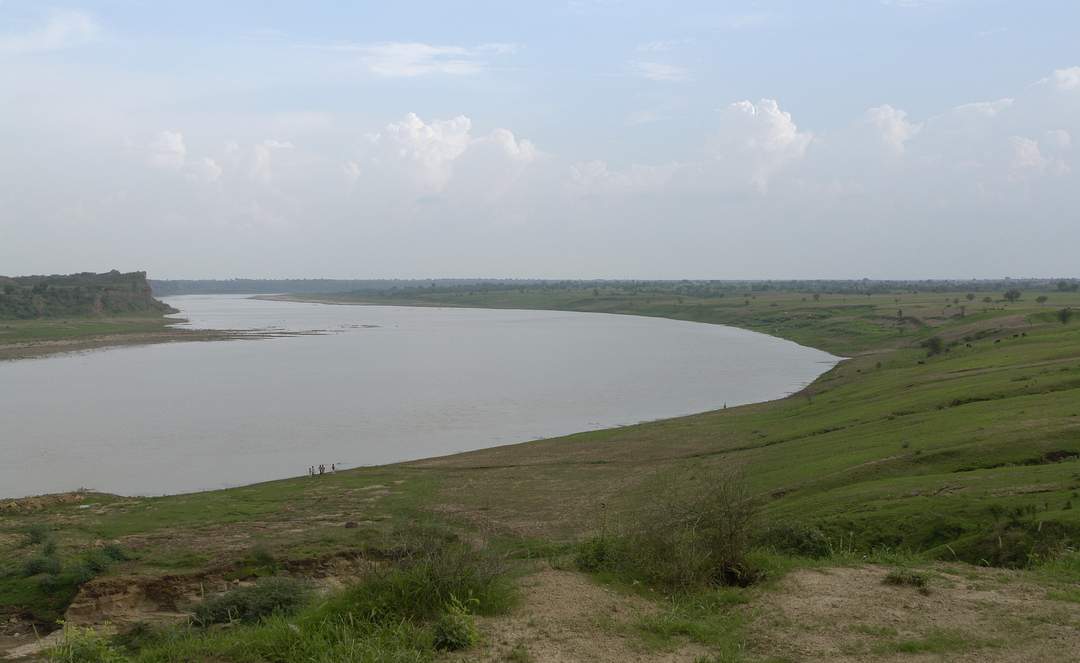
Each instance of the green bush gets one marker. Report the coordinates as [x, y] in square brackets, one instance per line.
[426, 581]
[41, 564]
[692, 532]
[270, 596]
[115, 553]
[455, 628]
[596, 554]
[37, 533]
[795, 539]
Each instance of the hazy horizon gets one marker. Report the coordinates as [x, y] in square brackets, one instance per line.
[613, 139]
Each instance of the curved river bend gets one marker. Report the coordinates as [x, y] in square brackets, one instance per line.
[383, 384]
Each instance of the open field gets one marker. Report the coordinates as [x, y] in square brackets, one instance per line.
[961, 464]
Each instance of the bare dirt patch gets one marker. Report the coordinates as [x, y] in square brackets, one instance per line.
[969, 614]
[563, 616]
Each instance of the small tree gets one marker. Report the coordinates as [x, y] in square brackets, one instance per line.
[1012, 295]
[988, 300]
[1064, 315]
[934, 345]
[970, 296]
[1041, 299]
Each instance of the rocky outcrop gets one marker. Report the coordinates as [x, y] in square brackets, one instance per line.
[77, 295]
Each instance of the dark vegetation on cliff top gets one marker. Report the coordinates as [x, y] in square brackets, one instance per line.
[77, 295]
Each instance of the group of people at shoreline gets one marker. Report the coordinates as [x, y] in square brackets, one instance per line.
[319, 470]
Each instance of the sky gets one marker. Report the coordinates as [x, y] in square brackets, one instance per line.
[560, 139]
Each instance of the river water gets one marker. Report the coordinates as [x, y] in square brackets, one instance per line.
[379, 384]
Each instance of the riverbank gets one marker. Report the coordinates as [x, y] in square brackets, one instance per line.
[911, 454]
[25, 339]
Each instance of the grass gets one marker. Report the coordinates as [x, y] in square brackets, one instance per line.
[936, 641]
[971, 454]
[48, 329]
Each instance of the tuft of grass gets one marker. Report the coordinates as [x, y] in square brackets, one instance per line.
[519, 654]
[269, 596]
[710, 618]
[908, 578]
[84, 645]
[455, 628]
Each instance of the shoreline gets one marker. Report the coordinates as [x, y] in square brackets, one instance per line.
[170, 333]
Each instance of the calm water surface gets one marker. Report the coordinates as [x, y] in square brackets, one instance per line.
[382, 384]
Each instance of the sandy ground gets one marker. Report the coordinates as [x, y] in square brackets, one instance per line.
[848, 615]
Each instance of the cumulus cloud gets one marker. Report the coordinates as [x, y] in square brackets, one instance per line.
[62, 29]
[757, 140]
[756, 175]
[892, 126]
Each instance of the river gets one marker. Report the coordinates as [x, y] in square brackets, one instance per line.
[376, 384]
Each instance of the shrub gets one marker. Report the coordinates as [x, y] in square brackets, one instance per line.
[115, 553]
[270, 596]
[693, 532]
[37, 533]
[934, 346]
[424, 583]
[595, 554]
[795, 539]
[84, 646]
[455, 628]
[41, 564]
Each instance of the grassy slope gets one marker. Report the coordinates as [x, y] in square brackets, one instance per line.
[893, 446]
[889, 454]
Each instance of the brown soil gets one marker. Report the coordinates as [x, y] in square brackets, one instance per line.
[565, 617]
[848, 615]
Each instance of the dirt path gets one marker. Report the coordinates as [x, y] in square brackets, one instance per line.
[564, 617]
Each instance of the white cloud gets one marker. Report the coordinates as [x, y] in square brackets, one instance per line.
[167, 150]
[1065, 79]
[657, 71]
[394, 59]
[443, 156]
[63, 29]
[892, 125]
[757, 140]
